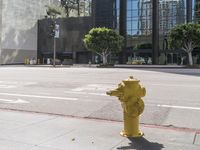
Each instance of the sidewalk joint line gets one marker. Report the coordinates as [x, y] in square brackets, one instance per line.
[194, 140]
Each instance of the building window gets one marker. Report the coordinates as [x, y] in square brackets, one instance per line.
[139, 22]
[196, 11]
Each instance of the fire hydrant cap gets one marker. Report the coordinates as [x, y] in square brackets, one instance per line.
[131, 79]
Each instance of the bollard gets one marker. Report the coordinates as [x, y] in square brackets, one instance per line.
[129, 93]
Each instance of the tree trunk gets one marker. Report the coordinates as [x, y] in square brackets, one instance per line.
[190, 58]
[104, 59]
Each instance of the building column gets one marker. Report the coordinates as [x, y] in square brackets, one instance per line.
[1, 8]
[189, 11]
[93, 12]
[155, 32]
[122, 27]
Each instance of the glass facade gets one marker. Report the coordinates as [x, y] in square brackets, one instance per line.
[136, 23]
[139, 22]
[172, 12]
[116, 13]
[104, 13]
[196, 11]
[139, 19]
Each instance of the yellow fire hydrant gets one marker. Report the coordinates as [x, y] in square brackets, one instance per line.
[129, 93]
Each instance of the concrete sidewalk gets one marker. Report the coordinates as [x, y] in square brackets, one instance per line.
[32, 131]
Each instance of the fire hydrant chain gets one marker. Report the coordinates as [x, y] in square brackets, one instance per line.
[129, 93]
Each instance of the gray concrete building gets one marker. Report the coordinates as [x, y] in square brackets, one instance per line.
[69, 46]
[18, 28]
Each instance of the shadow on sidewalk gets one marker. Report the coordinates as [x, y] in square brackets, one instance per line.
[141, 144]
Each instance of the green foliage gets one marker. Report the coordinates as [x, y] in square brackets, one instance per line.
[76, 7]
[103, 40]
[144, 46]
[185, 37]
[182, 35]
[54, 11]
[68, 8]
[69, 5]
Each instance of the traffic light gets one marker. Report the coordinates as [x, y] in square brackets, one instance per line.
[52, 29]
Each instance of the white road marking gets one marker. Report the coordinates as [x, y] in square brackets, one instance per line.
[78, 89]
[93, 87]
[179, 107]
[13, 101]
[39, 96]
[86, 93]
[2, 86]
[176, 85]
[185, 99]
[14, 84]
[99, 94]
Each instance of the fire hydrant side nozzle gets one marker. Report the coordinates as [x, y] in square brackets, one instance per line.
[118, 92]
[129, 93]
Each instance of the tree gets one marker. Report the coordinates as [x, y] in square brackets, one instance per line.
[185, 37]
[53, 11]
[72, 6]
[103, 41]
[144, 46]
[68, 5]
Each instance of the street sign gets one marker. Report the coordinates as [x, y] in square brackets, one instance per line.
[57, 31]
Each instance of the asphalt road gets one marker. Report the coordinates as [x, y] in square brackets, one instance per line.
[173, 95]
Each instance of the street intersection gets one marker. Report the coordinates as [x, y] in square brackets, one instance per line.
[172, 98]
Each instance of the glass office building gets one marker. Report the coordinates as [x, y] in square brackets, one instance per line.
[144, 24]
[134, 19]
[197, 11]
